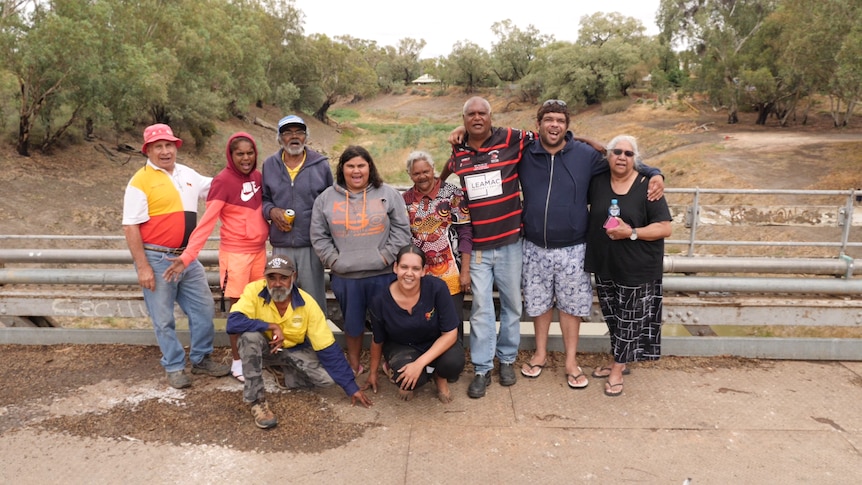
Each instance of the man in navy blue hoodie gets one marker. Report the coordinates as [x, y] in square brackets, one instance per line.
[555, 175]
[292, 178]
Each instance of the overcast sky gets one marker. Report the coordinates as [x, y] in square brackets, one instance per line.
[442, 23]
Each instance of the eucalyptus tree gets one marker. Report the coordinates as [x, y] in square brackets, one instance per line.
[613, 47]
[818, 50]
[406, 63]
[611, 54]
[281, 30]
[515, 49]
[383, 60]
[52, 50]
[468, 65]
[719, 32]
[336, 71]
[846, 85]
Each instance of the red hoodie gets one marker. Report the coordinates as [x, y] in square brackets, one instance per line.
[237, 200]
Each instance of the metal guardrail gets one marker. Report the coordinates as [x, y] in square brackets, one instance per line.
[696, 208]
[703, 293]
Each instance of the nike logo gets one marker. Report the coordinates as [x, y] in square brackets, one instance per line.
[248, 191]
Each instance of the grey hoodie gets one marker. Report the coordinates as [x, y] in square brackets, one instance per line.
[359, 235]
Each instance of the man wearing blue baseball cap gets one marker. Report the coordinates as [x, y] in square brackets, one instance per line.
[292, 178]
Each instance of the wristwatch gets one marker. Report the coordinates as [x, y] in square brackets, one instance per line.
[634, 236]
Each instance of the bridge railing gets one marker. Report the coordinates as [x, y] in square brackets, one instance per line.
[708, 289]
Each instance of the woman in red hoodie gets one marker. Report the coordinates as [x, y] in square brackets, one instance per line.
[236, 199]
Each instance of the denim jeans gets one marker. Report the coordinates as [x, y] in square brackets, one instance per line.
[193, 294]
[500, 267]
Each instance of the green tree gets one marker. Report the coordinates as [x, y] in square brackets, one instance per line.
[846, 84]
[610, 55]
[613, 46]
[600, 28]
[281, 32]
[468, 65]
[515, 49]
[407, 59]
[52, 55]
[337, 72]
[718, 31]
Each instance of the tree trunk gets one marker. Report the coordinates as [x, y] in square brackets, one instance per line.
[160, 114]
[763, 113]
[732, 116]
[320, 114]
[23, 145]
[51, 138]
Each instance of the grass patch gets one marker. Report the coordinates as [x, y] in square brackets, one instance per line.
[343, 114]
[391, 143]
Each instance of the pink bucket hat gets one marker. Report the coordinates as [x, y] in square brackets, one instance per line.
[158, 132]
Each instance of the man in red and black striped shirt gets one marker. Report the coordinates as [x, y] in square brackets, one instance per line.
[486, 162]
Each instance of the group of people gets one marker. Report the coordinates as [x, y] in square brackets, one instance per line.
[533, 198]
[527, 217]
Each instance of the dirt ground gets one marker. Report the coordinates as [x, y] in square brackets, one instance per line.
[119, 392]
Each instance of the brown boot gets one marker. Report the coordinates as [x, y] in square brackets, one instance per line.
[263, 416]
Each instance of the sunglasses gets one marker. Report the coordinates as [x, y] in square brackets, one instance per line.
[554, 101]
[619, 151]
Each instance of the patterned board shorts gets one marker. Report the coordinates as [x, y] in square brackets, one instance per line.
[556, 277]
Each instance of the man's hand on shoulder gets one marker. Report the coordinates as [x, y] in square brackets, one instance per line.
[655, 190]
[597, 146]
[456, 136]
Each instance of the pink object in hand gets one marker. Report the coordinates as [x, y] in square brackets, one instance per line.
[611, 223]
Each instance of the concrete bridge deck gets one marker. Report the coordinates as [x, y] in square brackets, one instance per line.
[715, 422]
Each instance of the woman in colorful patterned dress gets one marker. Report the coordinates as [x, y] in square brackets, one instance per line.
[438, 210]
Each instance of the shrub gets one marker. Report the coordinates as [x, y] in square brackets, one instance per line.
[616, 106]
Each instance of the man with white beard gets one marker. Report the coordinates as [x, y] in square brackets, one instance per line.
[292, 178]
[282, 327]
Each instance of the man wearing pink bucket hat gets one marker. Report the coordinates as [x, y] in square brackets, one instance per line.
[159, 214]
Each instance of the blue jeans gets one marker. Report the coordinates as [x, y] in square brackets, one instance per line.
[500, 266]
[193, 294]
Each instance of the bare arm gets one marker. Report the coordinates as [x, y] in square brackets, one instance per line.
[146, 278]
[655, 191]
[376, 355]
[445, 173]
[464, 277]
[410, 373]
[651, 232]
[597, 146]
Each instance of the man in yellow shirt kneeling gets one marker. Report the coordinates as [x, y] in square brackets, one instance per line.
[283, 328]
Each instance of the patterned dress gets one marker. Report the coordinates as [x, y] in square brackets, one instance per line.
[431, 218]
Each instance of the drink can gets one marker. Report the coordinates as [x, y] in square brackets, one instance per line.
[289, 216]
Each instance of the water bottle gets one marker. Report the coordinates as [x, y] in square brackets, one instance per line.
[613, 213]
[614, 209]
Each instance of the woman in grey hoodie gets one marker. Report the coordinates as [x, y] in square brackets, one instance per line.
[357, 227]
